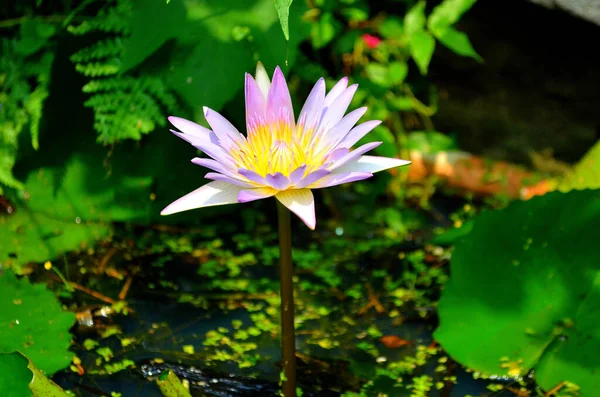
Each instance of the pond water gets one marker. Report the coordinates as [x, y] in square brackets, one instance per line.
[204, 303]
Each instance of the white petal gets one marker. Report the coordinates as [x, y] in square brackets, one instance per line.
[302, 203]
[229, 137]
[371, 164]
[337, 108]
[311, 112]
[336, 91]
[262, 79]
[358, 132]
[213, 193]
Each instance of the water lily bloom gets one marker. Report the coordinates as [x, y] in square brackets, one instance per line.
[280, 156]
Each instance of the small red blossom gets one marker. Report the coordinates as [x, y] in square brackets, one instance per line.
[371, 41]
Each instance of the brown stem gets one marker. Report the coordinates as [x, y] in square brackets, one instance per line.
[288, 339]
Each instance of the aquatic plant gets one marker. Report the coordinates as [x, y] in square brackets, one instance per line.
[283, 158]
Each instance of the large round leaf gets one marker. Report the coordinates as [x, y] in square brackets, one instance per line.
[20, 378]
[14, 376]
[525, 291]
[32, 322]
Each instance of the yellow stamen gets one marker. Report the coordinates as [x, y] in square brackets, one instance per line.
[277, 147]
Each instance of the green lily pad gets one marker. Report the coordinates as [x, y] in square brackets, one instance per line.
[25, 379]
[524, 291]
[17, 384]
[33, 322]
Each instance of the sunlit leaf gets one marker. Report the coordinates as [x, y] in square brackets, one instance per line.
[324, 30]
[20, 378]
[448, 13]
[33, 322]
[585, 174]
[397, 72]
[170, 385]
[414, 20]
[524, 291]
[422, 45]
[458, 42]
[283, 12]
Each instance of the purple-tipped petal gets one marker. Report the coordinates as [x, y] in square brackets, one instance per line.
[341, 129]
[213, 150]
[302, 203]
[337, 154]
[262, 79]
[229, 136]
[252, 176]
[312, 178]
[312, 110]
[278, 181]
[215, 166]
[223, 178]
[336, 91]
[279, 102]
[260, 193]
[354, 154]
[297, 174]
[358, 132]
[338, 179]
[371, 164]
[256, 102]
[338, 108]
[190, 128]
[211, 194]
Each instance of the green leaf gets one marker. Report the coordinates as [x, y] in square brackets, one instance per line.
[525, 291]
[14, 376]
[33, 35]
[29, 236]
[378, 74]
[453, 235]
[414, 20]
[459, 43]
[208, 64]
[388, 148]
[283, 12]
[70, 206]
[25, 379]
[324, 30]
[152, 24]
[386, 76]
[430, 142]
[585, 174]
[422, 45]
[391, 28]
[33, 322]
[170, 385]
[358, 12]
[397, 72]
[447, 14]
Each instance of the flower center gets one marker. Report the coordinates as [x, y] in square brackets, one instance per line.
[277, 147]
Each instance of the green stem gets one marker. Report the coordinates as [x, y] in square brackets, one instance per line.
[288, 338]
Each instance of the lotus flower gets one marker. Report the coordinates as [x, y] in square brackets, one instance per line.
[280, 156]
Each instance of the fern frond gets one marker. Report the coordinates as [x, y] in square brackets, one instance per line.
[95, 69]
[24, 83]
[113, 19]
[125, 108]
[107, 48]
